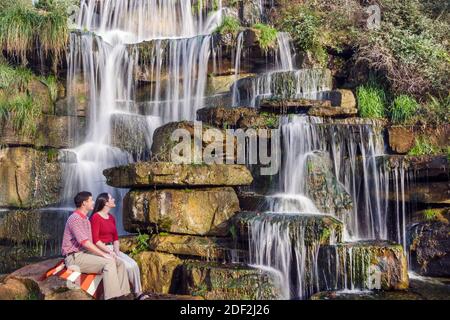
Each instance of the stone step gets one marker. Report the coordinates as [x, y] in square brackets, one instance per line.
[363, 265]
[214, 281]
[201, 211]
[169, 174]
[423, 168]
[207, 248]
[310, 228]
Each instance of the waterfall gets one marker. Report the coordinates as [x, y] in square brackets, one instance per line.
[288, 243]
[120, 45]
[293, 196]
[237, 66]
[284, 58]
[303, 83]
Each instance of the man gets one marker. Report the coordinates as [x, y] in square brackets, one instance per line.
[80, 252]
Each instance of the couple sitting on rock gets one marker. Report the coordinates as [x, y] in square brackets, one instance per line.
[92, 246]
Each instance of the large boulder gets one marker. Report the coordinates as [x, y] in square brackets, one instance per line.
[31, 178]
[51, 131]
[430, 248]
[167, 174]
[363, 265]
[157, 271]
[224, 117]
[196, 211]
[328, 194]
[401, 138]
[209, 248]
[230, 282]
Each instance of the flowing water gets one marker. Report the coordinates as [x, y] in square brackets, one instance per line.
[115, 37]
[123, 46]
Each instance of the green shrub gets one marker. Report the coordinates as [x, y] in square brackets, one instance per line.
[371, 101]
[229, 25]
[435, 111]
[22, 110]
[266, 36]
[22, 26]
[304, 26]
[423, 147]
[403, 108]
[17, 105]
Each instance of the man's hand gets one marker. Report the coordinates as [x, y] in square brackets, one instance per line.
[108, 256]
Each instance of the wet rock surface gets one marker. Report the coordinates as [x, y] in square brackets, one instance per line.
[183, 211]
[322, 229]
[168, 174]
[51, 131]
[214, 281]
[364, 265]
[31, 178]
[430, 248]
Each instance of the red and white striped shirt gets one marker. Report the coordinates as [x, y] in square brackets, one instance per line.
[76, 233]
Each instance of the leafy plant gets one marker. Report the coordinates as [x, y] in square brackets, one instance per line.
[403, 108]
[266, 36]
[229, 25]
[142, 244]
[423, 147]
[371, 101]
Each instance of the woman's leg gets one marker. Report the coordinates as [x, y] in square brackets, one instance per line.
[134, 274]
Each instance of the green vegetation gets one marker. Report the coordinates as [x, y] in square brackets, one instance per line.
[266, 36]
[17, 104]
[371, 101]
[403, 109]
[430, 214]
[142, 244]
[230, 25]
[23, 26]
[409, 50]
[52, 84]
[304, 26]
[423, 147]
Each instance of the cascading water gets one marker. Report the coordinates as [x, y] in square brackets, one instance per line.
[105, 55]
[355, 150]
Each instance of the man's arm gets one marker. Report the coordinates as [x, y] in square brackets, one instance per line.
[92, 248]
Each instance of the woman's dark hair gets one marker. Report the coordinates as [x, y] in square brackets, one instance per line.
[100, 202]
[81, 197]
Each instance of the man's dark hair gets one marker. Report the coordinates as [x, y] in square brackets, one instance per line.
[81, 197]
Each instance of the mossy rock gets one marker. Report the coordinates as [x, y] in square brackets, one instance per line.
[230, 282]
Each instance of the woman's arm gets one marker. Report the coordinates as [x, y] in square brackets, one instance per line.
[116, 245]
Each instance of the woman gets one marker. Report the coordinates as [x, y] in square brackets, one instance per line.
[104, 235]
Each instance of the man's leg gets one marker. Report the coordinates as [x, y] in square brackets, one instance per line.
[122, 275]
[89, 263]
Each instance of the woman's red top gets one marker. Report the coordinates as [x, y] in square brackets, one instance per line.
[103, 229]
